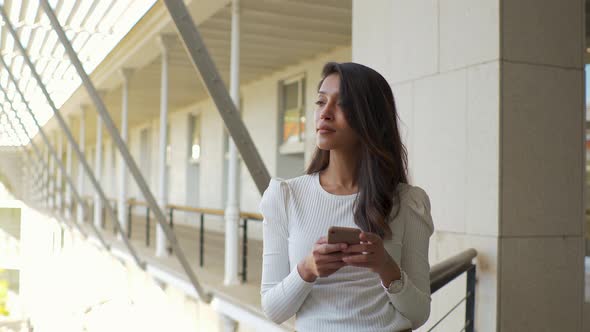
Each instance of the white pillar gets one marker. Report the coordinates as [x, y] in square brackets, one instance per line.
[43, 183]
[58, 175]
[161, 243]
[98, 173]
[51, 181]
[68, 192]
[121, 168]
[232, 210]
[81, 175]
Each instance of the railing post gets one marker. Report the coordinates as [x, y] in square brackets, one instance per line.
[129, 221]
[147, 227]
[103, 219]
[470, 302]
[202, 241]
[171, 216]
[116, 210]
[244, 250]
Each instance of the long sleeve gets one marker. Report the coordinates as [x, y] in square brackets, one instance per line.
[413, 300]
[282, 289]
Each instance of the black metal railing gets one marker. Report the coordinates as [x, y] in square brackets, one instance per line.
[245, 217]
[446, 271]
[441, 274]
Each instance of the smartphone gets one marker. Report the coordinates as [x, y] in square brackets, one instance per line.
[343, 235]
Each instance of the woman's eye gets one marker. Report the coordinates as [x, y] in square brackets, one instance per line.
[320, 102]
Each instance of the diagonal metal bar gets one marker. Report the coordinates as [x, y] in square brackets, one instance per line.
[36, 164]
[50, 148]
[66, 131]
[202, 61]
[131, 164]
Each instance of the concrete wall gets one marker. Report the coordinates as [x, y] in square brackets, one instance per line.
[491, 103]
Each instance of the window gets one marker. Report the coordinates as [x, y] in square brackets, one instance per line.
[194, 152]
[292, 114]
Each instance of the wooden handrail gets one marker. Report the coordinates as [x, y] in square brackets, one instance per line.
[251, 215]
[216, 212]
[186, 208]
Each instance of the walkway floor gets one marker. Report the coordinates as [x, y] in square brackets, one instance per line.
[211, 275]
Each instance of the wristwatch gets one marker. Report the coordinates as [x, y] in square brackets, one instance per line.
[397, 285]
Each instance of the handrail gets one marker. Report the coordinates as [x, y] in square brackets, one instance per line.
[447, 270]
[217, 212]
[186, 208]
[244, 216]
[251, 216]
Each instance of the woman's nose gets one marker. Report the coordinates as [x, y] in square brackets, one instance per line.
[326, 112]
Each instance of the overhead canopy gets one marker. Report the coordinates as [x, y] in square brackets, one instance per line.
[93, 26]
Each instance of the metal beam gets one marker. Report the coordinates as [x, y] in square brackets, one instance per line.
[50, 148]
[202, 61]
[32, 161]
[65, 130]
[110, 126]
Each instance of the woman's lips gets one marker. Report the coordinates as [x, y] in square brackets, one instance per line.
[325, 131]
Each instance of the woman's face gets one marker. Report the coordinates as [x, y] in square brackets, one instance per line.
[332, 129]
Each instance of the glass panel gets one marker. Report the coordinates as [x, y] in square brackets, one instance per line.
[293, 112]
[291, 95]
[291, 125]
[195, 137]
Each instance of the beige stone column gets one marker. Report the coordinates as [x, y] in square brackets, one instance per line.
[491, 103]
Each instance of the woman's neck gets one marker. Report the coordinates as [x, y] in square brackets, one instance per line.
[341, 174]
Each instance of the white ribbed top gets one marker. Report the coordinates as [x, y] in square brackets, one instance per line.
[297, 212]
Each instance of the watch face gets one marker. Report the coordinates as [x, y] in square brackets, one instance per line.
[396, 286]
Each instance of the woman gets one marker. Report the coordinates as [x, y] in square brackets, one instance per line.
[357, 178]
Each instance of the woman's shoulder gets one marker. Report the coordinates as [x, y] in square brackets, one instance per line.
[294, 184]
[277, 196]
[416, 201]
[273, 203]
[412, 195]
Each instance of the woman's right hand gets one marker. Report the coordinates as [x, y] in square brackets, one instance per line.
[324, 260]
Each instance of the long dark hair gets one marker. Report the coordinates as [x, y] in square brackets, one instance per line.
[368, 105]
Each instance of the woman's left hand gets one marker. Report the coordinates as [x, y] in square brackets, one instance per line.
[371, 254]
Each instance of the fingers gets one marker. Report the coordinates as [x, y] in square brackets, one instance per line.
[357, 259]
[334, 257]
[322, 240]
[360, 248]
[324, 249]
[365, 265]
[371, 237]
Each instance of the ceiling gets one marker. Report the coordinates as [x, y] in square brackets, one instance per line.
[274, 34]
[93, 26]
